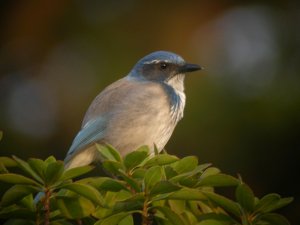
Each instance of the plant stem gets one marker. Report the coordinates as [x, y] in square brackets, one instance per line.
[147, 218]
[145, 214]
[246, 218]
[47, 206]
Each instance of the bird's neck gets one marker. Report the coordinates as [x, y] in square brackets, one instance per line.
[177, 82]
[175, 90]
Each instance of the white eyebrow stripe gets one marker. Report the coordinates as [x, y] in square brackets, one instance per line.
[155, 61]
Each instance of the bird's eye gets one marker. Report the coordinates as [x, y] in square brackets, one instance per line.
[163, 66]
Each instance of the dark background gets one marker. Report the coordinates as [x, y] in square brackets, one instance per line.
[242, 112]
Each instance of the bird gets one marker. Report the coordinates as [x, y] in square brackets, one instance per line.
[142, 108]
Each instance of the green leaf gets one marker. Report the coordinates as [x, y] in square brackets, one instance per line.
[114, 219]
[281, 203]
[102, 212]
[19, 222]
[245, 197]
[210, 222]
[112, 167]
[139, 173]
[39, 166]
[183, 176]
[75, 172]
[152, 176]
[225, 203]
[109, 153]
[272, 202]
[201, 207]
[61, 222]
[17, 179]
[267, 202]
[188, 194]
[53, 172]
[132, 183]
[50, 159]
[107, 184]
[204, 166]
[86, 191]
[55, 214]
[272, 219]
[135, 158]
[220, 217]
[128, 220]
[75, 207]
[178, 206]
[172, 217]
[143, 148]
[185, 164]
[3, 168]
[219, 180]
[16, 193]
[189, 181]
[131, 197]
[113, 198]
[160, 160]
[15, 211]
[170, 172]
[209, 172]
[189, 217]
[135, 202]
[28, 203]
[27, 169]
[163, 187]
[8, 162]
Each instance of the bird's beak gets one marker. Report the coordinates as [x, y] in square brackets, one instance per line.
[188, 67]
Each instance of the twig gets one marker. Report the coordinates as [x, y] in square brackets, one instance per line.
[47, 206]
[147, 218]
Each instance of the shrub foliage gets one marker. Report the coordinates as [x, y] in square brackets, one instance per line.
[161, 189]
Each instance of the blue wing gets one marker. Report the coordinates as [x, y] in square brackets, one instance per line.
[92, 132]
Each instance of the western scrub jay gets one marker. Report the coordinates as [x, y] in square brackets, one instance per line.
[142, 108]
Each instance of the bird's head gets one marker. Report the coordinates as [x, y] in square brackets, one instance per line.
[162, 66]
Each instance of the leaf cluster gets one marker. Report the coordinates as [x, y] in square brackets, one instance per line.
[159, 189]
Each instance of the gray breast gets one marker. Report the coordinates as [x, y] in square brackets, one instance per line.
[150, 118]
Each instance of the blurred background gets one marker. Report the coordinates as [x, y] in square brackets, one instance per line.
[242, 112]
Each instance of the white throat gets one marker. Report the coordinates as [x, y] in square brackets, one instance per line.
[177, 83]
